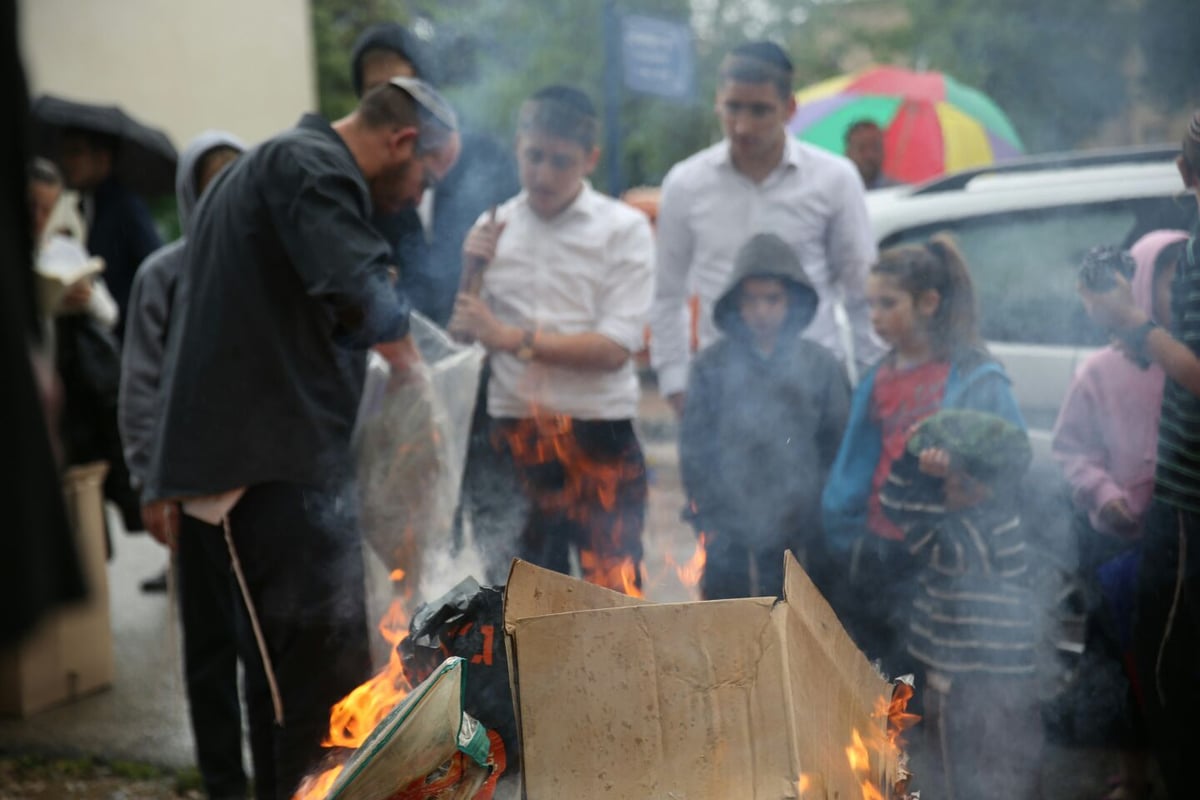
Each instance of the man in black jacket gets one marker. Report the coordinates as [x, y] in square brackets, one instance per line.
[285, 285]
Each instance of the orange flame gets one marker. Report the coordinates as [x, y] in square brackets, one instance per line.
[588, 483]
[692, 570]
[803, 784]
[899, 720]
[353, 717]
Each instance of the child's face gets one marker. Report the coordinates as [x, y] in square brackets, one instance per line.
[897, 316]
[763, 305]
[1163, 280]
[552, 170]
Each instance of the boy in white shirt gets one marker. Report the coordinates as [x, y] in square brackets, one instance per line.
[568, 279]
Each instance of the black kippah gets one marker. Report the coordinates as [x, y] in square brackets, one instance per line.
[766, 52]
[567, 96]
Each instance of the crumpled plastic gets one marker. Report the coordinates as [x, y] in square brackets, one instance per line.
[411, 445]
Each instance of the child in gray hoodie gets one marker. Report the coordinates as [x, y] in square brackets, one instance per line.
[764, 418]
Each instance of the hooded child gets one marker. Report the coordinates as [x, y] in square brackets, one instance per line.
[765, 415]
[205, 588]
[1167, 626]
[1105, 440]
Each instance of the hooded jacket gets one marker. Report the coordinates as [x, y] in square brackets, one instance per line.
[1106, 436]
[760, 431]
[976, 381]
[150, 303]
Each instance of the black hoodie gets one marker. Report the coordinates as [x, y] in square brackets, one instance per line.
[760, 431]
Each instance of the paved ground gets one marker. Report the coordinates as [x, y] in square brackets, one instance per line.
[143, 717]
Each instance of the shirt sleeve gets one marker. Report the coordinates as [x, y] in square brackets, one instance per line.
[852, 251]
[141, 368]
[668, 315]
[322, 217]
[629, 287]
[1078, 447]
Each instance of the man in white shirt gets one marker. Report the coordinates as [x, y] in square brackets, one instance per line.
[568, 278]
[759, 179]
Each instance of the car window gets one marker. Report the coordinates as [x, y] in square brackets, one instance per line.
[1024, 263]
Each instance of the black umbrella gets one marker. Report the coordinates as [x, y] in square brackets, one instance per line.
[145, 160]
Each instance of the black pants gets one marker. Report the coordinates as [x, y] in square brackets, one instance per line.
[300, 548]
[1167, 641]
[207, 610]
[731, 569]
[873, 598]
[579, 484]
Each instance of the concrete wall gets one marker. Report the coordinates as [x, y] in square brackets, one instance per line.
[246, 66]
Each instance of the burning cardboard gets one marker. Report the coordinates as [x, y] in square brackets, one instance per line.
[752, 698]
[425, 748]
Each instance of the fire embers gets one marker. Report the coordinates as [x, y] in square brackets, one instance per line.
[585, 482]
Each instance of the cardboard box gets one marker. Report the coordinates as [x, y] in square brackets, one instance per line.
[619, 698]
[70, 653]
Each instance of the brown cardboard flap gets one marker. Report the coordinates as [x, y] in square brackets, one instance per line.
[833, 687]
[532, 591]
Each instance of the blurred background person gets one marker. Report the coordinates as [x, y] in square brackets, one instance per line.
[864, 146]
[205, 586]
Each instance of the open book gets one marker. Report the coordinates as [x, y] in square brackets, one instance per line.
[62, 263]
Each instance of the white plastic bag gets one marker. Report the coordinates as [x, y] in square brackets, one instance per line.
[411, 444]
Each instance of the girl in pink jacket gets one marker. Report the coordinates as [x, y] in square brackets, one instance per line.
[1106, 441]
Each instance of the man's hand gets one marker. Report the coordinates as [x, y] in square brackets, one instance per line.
[1119, 519]
[161, 520]
[1113, 310]
[402, 356]
[677, 400]
[474, 321]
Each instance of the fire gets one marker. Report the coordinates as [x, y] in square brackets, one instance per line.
[544, 440]
[803, 784]
[692, 570]
[890, 743]
[353, 718]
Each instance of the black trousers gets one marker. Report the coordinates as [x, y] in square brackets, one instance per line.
[565, 483]
[207, 611]
[1167, 641]
[301, 551]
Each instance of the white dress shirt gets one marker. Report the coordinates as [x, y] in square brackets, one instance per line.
[814, 200]
[589, 269]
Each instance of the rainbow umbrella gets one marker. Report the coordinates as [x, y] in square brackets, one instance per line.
[932, 123]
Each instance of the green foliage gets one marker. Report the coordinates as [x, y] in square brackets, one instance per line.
[1056, 68]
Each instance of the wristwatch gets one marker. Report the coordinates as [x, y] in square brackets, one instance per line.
[524, 350]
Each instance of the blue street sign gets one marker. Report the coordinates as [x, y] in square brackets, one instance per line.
[656, 56]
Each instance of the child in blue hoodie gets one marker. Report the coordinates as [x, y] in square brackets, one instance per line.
[923, 306]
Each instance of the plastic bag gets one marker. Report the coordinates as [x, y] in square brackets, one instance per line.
[411, 445]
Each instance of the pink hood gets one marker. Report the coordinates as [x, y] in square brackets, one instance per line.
[1106, 437]
[1145, 251]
